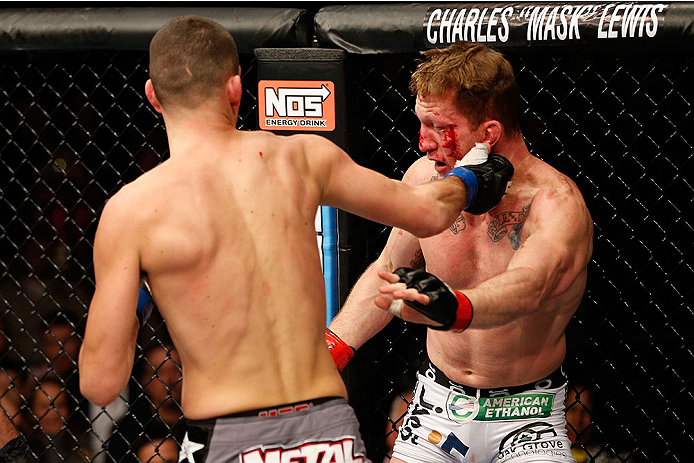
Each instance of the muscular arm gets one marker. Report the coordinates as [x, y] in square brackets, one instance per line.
[551, 263]
[108, 351]
[359, 320]
[553, 257]
[424, 210]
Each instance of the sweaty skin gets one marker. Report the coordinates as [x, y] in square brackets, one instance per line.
[522, 264]
[224, 233]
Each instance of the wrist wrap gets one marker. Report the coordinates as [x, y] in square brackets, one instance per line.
[341, 351]
[470, 180]
[451, 309]
[463, 316]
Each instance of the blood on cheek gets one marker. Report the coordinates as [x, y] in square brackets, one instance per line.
[450, 141]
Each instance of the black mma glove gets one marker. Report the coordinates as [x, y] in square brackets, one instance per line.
[486, 183]
[450, 308]
[16, 451]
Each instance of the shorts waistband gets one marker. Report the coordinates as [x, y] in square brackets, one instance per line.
[555, 379]
[272, 412]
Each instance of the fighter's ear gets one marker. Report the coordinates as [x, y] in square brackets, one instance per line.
[234, 90]
[492, 132]
[151, 96]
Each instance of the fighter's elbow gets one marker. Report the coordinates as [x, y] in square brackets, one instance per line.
[426, 231]
[531, 305]
[98, 390]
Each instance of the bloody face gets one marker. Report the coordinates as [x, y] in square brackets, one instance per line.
[445, 135]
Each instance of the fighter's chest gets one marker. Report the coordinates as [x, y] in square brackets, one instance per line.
[477, 247]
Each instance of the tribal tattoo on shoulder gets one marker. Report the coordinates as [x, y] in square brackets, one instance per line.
[508, 224]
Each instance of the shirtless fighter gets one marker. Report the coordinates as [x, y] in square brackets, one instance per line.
[223, 232]
[492, 389]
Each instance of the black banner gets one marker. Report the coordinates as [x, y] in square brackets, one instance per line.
[133, 28]
[550, 23]
[412, 27]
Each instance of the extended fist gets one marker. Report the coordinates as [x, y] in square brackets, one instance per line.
[420, 297]
[486, 183]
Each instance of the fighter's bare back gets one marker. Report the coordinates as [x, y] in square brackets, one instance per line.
[209, 225]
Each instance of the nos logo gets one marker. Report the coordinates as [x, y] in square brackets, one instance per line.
[340, 451]
[296, 105]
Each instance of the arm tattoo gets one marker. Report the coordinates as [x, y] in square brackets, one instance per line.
[418, 261]
[508, 223]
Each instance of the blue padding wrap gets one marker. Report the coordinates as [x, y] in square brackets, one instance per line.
[470, 180]
[330, 261]
[144, 306]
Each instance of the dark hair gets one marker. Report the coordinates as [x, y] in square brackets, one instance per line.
[190, 59]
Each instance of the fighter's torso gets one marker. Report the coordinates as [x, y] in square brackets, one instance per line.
[476, 248]
[228, 252]
[482, 244]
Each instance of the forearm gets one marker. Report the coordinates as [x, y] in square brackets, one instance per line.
[359, 320]
[505, 298]
[474, 188]
[424, 210]
[7, 429]
[97, 356]
[441, 201]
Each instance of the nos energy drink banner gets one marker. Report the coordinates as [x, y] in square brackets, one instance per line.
[302, 90]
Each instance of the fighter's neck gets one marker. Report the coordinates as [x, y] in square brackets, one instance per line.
[197, 128]
[514, 150]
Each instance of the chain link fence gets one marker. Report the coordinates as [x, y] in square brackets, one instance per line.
[76, 126]
[620, 124]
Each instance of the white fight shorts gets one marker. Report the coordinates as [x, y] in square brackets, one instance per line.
[317, 431]
[451, 422]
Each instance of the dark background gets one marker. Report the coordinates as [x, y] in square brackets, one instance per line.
[75, 126]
